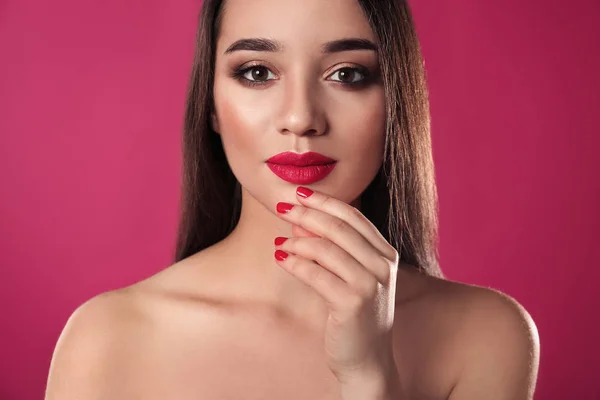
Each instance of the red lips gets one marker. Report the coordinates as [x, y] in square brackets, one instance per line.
[302, 168]
[300, 160]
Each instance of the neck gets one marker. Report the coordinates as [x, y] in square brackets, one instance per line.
[254, 269]
[250, 268]
[250, 265]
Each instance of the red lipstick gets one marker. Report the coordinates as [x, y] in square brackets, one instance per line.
[302, 168]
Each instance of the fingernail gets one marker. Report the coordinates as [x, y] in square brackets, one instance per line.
[304, 192]
[284, 207]
[280, 255]
[279, 240]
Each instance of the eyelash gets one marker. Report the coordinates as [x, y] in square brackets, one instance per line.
[240, 72]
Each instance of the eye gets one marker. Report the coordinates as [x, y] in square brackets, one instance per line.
[350, 75]
[257, 73]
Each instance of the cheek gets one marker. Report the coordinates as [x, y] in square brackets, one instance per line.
[242, 126]
[360, 126]
[364, 127]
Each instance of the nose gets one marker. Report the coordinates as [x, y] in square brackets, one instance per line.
[301, 111]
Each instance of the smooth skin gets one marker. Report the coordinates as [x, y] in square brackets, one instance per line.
[231, 321]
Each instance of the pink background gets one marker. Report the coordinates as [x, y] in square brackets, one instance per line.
[91, 105]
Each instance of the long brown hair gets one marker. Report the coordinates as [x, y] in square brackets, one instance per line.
[401, 201]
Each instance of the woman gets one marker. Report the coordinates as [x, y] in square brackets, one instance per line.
[306, 265]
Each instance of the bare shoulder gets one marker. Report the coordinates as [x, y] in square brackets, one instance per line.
[495, 341]
[117, 342]
[93, 345]
[482, 308]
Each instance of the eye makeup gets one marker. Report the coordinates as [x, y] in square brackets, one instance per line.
[252, 75]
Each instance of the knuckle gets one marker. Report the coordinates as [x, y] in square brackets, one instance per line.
[395, 256]
[315, 275]
[386, 277]
[354, 212]
[337, 224]
[385, 269]
[293, 265]
[325, 245]
[351, 213]
[326, 201]
[302, 212]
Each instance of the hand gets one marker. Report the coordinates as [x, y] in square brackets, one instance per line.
[347, 261]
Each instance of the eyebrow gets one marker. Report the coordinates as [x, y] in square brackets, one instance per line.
[336, 46]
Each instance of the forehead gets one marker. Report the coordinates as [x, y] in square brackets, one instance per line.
[296, 23]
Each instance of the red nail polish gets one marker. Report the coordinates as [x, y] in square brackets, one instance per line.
[304, 192]
[280, 255]
[279, 240]
[284, 207]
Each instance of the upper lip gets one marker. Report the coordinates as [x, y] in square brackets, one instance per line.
[300, 160]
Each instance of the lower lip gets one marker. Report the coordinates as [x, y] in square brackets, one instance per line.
[301, 175]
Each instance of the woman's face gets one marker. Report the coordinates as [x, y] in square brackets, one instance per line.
[297, 90]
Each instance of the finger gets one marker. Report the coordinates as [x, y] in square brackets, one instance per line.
[301, 232]
[329, 286]
[342, 234]
[330, 256]
[350, 215]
